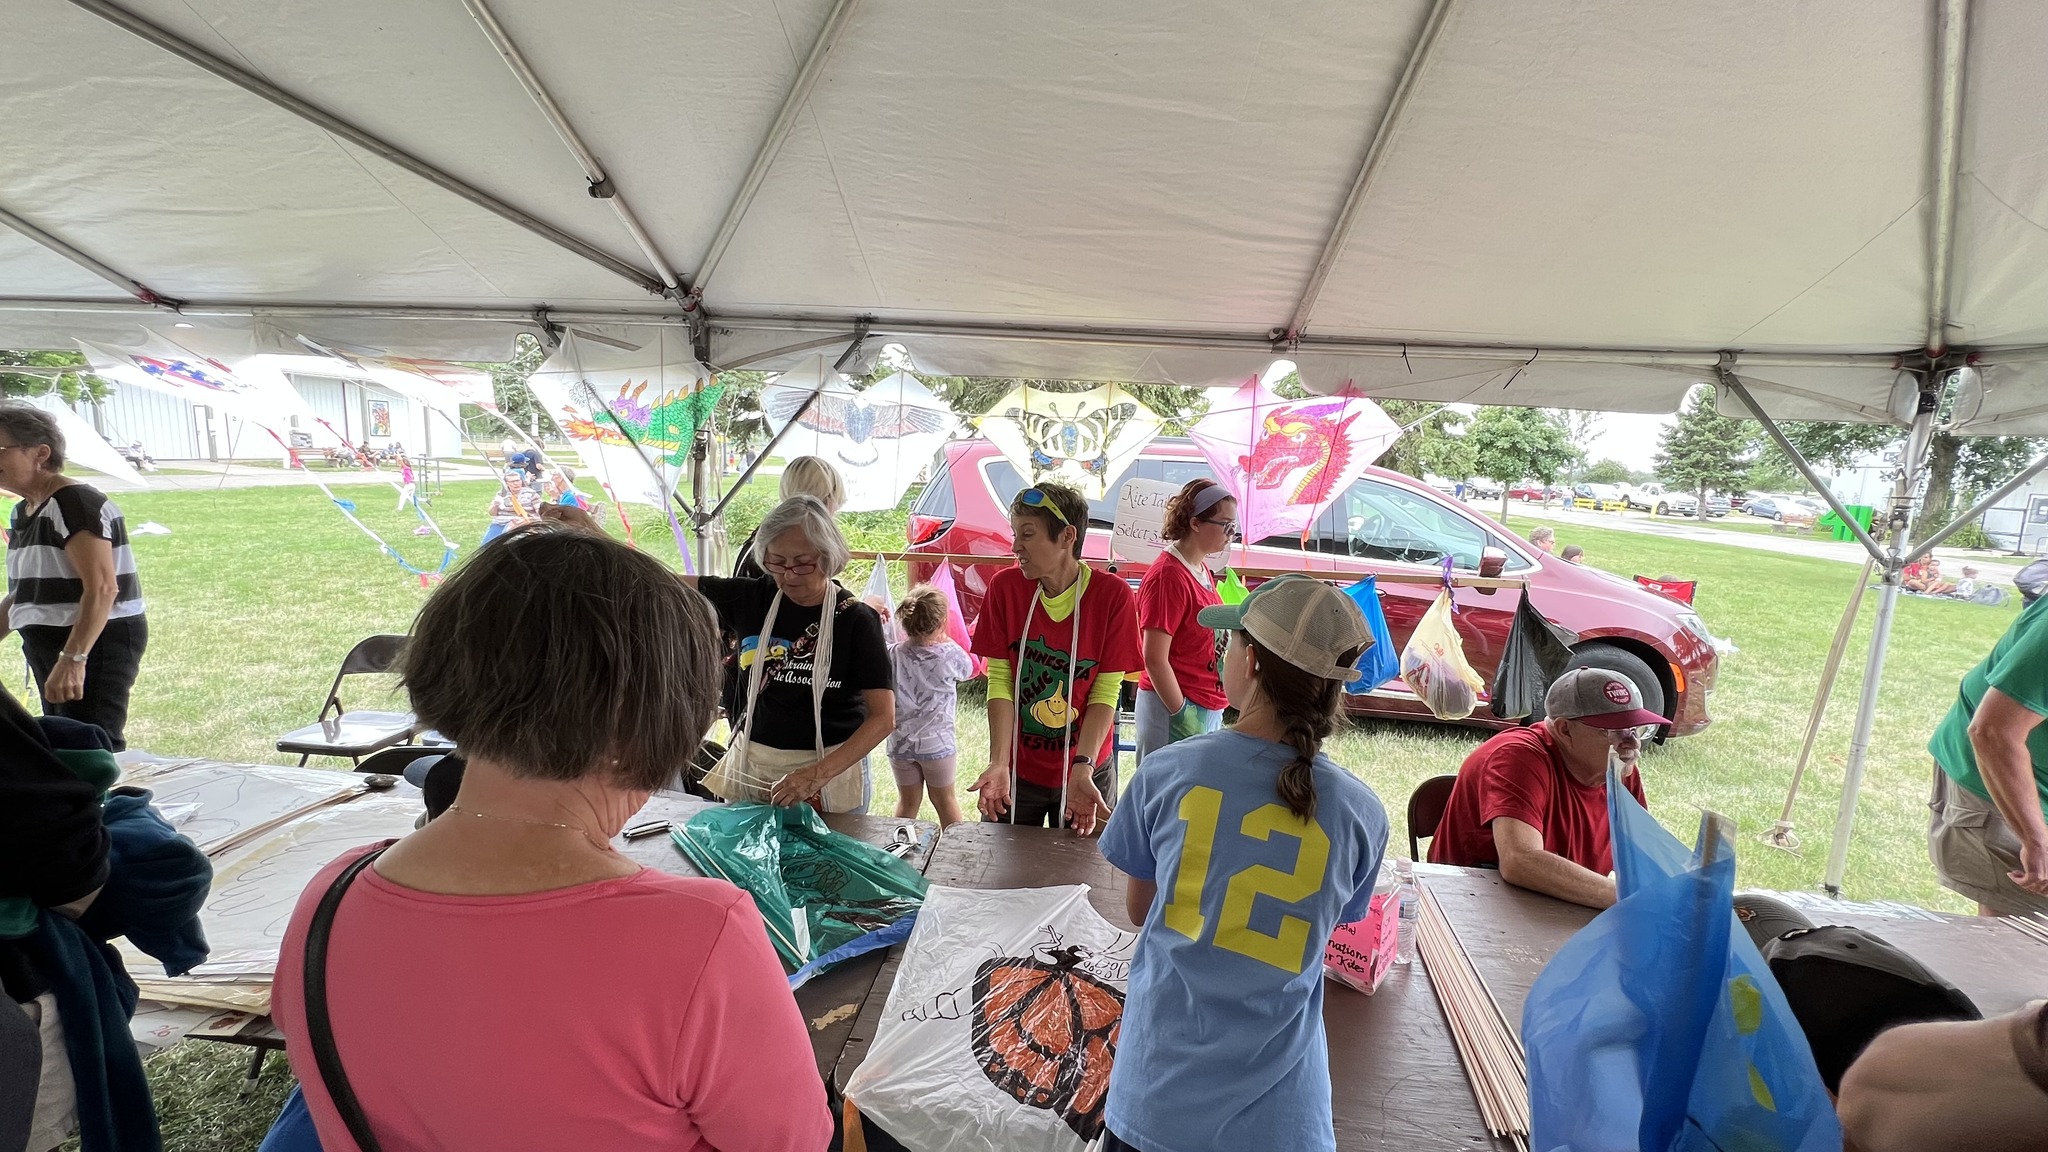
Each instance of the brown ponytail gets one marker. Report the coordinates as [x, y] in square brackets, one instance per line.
[1306, 707]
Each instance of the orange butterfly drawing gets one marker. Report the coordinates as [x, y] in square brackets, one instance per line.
[1045, 1032]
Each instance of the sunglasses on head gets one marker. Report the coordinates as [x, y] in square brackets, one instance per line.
[1037, 498]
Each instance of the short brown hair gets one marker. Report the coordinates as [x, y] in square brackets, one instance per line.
[1180, 511]
[922, 612]
[559, 653]
[1070, 504]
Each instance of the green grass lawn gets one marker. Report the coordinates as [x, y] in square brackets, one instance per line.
[257, 593]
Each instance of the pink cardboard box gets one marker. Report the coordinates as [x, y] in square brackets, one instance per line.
[1359, 954]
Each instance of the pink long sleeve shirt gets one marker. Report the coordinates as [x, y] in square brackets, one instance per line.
[644, 1013]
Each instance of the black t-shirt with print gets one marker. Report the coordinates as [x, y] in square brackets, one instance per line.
[782, 718]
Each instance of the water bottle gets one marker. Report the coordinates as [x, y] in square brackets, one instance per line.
[1411, 911]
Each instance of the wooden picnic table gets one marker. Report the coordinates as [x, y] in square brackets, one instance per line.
[1396, 1079]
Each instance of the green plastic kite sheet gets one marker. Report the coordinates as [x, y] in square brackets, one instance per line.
[816, 888]
[1231, 589]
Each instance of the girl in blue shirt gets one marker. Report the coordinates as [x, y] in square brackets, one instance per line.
[1243, 849]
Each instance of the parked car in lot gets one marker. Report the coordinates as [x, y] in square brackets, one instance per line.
[1764, 506]
[1528, 491]
[1791, 510]
[1600, 497]
[1687, 504]
[1642, 497]
[1384, 523]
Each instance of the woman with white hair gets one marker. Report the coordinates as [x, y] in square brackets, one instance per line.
[798, 735]
[72, 592]
[803, 476]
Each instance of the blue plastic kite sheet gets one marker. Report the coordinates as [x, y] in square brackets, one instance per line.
[1382, 661]
[1658, 1026]
[816, 888]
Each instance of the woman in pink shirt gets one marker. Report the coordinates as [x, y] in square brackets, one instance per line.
[502, 979]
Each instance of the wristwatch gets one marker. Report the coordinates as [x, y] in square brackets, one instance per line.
[1082, 758]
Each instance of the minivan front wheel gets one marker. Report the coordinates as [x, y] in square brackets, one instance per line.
[1608, 658]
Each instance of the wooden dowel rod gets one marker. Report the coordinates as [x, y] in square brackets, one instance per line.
[1005, 560]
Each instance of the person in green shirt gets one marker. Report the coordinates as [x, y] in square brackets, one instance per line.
[1988, 839]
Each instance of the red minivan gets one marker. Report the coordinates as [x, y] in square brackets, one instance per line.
[1385, 522]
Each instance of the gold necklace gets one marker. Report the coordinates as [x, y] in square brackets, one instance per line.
[528, 820]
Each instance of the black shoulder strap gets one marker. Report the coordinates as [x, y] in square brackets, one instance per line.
[319, 1028]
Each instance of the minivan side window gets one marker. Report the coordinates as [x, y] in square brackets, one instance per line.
[1377, 521]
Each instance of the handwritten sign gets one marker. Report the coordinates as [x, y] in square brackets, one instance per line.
[1360, 954]
[1140, 515]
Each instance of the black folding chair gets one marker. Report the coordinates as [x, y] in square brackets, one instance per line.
[354, 735]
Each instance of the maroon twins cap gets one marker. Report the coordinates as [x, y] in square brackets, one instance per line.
[1599, 699]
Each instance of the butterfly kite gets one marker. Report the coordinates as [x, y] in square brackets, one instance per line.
[1001, 1028]
[1045, 1032]
[1084, 439]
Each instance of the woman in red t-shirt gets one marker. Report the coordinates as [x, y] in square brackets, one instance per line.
[1059, 638]
[1179, 693]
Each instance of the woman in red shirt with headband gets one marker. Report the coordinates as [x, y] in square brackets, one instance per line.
[1059, 637]
[1180, 693]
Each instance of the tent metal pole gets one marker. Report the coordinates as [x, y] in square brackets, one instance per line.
[786, 350]
[1859, 742]
[1979, 508]
[747, 475]
[778, 132]
[1677, 361]
[1904, 491]
[1780, 835]
[601, 185]
[143, 293]
[1375, 154]
[1948, 148]
[1735, 386]
[256, 85]
[860, 336]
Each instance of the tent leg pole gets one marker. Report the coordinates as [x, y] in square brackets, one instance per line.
[700, 485]
[1904, 492]
[1781, 834]
[1859, 743]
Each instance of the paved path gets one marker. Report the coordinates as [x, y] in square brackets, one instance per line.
[205, 476]
[1998, 567]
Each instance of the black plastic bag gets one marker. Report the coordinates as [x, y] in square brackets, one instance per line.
[1537, 653]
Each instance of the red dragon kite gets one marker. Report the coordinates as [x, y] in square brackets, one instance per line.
[1286, 460]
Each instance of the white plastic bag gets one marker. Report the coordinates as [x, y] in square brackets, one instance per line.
[960, 1060]
[876, 596]
[1434, 664]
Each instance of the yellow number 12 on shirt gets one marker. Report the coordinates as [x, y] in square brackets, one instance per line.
[1202, 809]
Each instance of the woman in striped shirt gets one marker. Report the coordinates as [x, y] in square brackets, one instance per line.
[71, 586]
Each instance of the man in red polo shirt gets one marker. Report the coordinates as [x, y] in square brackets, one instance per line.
[1533, 801]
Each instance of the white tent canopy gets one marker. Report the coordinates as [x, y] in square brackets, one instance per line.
[1528, 200]
[1824, 205]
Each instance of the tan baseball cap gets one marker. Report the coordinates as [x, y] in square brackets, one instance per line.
[1599, 699]
[1305, 622]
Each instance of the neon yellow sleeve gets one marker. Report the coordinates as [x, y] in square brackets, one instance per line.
[999, 680]
[1105, 688]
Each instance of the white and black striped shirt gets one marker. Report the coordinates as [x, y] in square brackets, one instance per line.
[40, 577]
